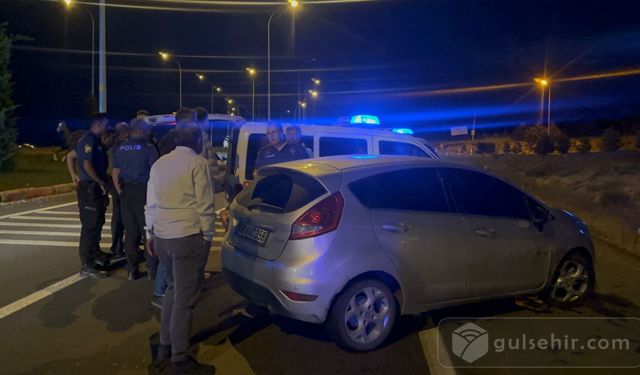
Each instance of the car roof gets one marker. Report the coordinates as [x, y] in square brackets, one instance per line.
[343, 163]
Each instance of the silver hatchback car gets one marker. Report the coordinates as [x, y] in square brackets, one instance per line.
[354, 241]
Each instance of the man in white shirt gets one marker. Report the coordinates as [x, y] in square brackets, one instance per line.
[180, 217]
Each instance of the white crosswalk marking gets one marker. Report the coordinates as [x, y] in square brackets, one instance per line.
[38, 225]
[72, 213]
[47, 233]
[46, 218]
[73, 244]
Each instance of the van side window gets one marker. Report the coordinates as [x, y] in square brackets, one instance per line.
[330, 146]
[400, 148]
[256, 142]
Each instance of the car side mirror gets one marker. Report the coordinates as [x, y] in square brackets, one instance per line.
[540, 217]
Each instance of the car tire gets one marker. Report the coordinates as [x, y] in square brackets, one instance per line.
[362, 316]
[573, 282]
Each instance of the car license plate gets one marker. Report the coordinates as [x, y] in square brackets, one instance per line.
[253, 233]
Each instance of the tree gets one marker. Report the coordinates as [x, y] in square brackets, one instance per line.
[8, 131]
[611, 140]
[517, 147]
[506, 147]
[545, 146]
[486, 148]
[563, 143]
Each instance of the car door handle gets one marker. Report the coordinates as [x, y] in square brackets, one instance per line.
[396, 228]
[486, 233]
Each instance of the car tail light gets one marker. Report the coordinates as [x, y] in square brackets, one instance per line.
[319, 219]
[299, 297]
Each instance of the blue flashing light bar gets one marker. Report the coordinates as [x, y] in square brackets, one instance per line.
[402, 131]
[365, 156]
[365, 120]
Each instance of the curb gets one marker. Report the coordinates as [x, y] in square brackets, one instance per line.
[30, 193]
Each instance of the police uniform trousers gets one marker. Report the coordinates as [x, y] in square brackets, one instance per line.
[132, 201]
[93, 205]
[117, 223]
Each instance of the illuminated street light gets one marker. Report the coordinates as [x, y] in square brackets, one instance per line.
[316, 81]
[545, 83]
[252, 74]
[314, 94]
[166, 56]
[293, 5]
[68, 3]
[200, 76]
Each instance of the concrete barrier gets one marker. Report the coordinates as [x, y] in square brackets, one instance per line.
[30, 193]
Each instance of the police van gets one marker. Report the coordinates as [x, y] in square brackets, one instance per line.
[218, 127]
[361, 135]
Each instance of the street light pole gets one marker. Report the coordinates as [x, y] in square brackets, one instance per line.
[102, 60]
[180, 73]
[93, 54]
[549, 113]
[293, 4]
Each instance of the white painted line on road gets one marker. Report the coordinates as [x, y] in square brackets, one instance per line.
[44, 233]
[41, 225]
[432, 344]
[45, 243]
[37, 296]
[38, 209]
[75, 213]
[47, 218]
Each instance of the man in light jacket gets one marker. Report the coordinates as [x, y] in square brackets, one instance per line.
[180, 217]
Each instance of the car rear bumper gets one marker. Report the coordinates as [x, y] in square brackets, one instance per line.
[262, 282]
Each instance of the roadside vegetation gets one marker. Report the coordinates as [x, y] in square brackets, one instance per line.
[34, 168]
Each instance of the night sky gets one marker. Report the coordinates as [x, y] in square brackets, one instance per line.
[380, 57]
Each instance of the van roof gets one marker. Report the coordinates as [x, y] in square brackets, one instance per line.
[171, 117]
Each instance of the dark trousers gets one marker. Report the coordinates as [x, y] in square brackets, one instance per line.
[117, 223]
[185, 259]
[92, 204]
[132, 201]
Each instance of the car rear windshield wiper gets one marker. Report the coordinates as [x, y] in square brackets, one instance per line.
[266, 205]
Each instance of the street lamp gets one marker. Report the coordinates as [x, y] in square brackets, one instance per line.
[68, 3]
[200, 76]
[303, 107]
[316, 81]
[293, 5]
[252, 72]
[314, 94]
[166, 56]
[545, 83]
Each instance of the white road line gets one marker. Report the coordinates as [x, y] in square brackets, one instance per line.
[46, 218]
[37, 296]
[432, 346]
[45, 243]
[37, 209]
[40, 225]
[44, 233]
[75, 213]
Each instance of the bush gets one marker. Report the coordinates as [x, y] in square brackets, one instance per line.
[519, 133]
[638, 141]
[611, 140]
[545, 146]
[613, 198]
[506, 147]
[563, 143]
[486, 148]
[517, 148]
[584, 145]
[534, 134]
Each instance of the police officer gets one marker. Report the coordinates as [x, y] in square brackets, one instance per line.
[279, 150]
[132, 161]
[92, 192]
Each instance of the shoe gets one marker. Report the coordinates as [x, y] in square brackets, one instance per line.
[191, 366]
[92, 273]
[163, 358]
[157, 301]
[133, 275]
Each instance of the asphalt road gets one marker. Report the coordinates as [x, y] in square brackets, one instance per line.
[106, 326]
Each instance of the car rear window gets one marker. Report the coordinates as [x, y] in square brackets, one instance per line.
[281, 192]
[400, 148]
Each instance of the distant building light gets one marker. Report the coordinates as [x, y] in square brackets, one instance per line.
[402, 131]
[365, 119]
